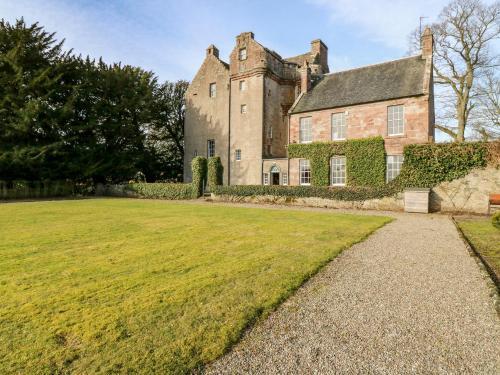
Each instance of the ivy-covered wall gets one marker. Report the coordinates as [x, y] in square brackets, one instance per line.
[426, 165]
[365, 160]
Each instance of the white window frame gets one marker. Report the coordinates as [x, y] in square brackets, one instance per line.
[266, 178]
[393, 166]
[243, 109]
[284, 178]
[305, 129]
[237, 154]
[304, 172]
[395, 120]
[210, 148]
[338, 126]
[338, 177]
[243, 85]
[242, 54]
[212, 90]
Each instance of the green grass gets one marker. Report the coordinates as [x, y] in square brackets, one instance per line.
[485, 238]
[123, 285]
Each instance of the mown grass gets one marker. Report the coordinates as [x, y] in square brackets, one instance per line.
[135, 286]
[485, 238]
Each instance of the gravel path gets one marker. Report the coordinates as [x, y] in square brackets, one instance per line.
[410, 299]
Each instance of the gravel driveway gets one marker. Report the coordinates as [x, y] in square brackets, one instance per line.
[410, 299]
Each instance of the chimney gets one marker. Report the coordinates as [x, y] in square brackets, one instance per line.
[427, 43]
[305, 78]
[243, 38]
[212, 50]
[320, 51]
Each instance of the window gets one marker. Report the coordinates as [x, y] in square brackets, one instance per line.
[243, 109]
[338, 126]
[305, 130]
[213, 90]
[394, 163]
[395, 120]
[211, 148]
[284, 176]
[195, 153]
[242, 54]
[305, 172]
[266, 178]
[338, 171]
[238, 155]
[243, 85]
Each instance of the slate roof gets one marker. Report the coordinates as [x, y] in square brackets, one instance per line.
[390, 80]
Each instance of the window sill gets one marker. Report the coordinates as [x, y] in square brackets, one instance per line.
[396, 136]
[338, 185]
[305, 184]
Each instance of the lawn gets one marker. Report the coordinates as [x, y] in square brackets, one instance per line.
[123, 285]
[485, 238]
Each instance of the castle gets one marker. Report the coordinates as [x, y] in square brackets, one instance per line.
[248, 111]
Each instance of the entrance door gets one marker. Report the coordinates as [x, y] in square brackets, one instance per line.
[275, 178]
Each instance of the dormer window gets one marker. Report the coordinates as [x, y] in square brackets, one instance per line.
[213, 90]
[242, 54]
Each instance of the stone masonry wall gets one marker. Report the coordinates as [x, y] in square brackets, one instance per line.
[369, 120]
[468, 194]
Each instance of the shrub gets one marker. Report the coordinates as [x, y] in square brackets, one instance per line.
[427, 165]
[495, 220]
[215, 172]
[159, 190]
[343, 193]
[365, 160]
[199, 170]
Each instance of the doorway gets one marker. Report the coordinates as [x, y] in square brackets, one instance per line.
[275, 178]
[275, 175]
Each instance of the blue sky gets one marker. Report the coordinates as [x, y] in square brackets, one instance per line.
[170, 37]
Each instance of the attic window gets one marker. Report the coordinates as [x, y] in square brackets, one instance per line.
[213, 90]
[242, 54]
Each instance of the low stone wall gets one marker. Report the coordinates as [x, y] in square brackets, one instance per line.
[468, 194]
[386, 204]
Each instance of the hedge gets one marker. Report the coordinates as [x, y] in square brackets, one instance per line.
[365, 160]
[161, 190]
[199, 170]
[215, 172]
[338, 193]
[36, 189]
[426, 165]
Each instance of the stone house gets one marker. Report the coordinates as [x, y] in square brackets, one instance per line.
[248, 110]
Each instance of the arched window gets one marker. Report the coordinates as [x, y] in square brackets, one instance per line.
[275, 169]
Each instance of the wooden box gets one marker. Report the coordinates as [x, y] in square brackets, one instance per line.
[417, 200]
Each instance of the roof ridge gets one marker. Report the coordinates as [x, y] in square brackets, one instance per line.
[372, 65]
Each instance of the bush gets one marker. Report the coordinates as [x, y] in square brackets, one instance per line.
[159, 190]
[338, 193]
[215, 172]
[495, 220]
[199, 170]
[365, 160]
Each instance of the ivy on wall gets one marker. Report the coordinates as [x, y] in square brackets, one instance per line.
[426, 165]
[199, 169]
[215, 172]
[365, 160]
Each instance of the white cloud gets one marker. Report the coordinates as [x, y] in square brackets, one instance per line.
[383, 21]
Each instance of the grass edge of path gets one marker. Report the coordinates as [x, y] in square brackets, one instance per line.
[262, 314]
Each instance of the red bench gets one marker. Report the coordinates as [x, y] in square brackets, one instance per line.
[494, 202]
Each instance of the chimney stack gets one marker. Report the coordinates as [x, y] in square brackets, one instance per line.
[427, 43]
[305, 78]
[213, 50]
[320, 51]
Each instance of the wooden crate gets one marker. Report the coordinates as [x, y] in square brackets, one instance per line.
[417, 200]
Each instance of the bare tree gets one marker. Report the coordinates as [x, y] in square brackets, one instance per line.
[464, 36]
[486, 114]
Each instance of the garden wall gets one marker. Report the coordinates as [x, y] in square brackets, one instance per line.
[468, 194]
